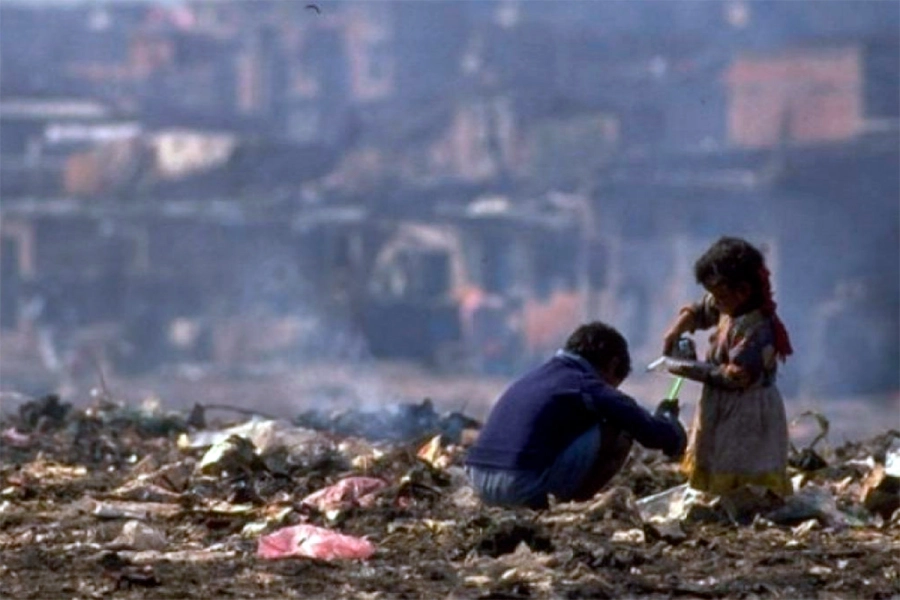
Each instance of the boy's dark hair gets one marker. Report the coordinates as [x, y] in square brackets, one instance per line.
[732, 261]
[599, 344]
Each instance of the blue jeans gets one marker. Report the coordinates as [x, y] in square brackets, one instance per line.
[564, 478]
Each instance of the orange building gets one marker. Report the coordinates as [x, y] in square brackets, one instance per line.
[798, 96]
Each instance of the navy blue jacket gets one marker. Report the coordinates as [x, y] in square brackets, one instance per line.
[542, 413]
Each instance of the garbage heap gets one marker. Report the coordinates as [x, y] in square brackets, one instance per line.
[143, 503]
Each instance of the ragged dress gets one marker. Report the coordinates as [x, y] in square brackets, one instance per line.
[739, 436]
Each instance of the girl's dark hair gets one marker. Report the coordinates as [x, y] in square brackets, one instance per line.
[599, 344]
[732, 261]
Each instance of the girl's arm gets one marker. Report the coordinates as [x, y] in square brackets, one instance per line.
[729, 377]
[750, 354]
[700, 315]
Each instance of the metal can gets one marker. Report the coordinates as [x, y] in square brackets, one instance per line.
[685, 349]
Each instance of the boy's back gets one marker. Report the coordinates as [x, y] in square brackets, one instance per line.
[534, 419]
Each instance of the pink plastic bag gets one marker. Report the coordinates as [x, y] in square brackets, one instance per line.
[12, 437]
[359, 491]
[313, 542]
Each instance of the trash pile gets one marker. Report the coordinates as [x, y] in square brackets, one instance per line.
[144, 503]
[397, 422]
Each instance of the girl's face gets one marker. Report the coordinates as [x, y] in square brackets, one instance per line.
[728, 299]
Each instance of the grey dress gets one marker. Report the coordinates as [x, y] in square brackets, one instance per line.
[739, 435]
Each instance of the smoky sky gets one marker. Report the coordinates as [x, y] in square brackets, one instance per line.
[670, 186]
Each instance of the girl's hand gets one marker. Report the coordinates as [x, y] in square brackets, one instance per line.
[678, 369]
[670, 340]
[683, 323]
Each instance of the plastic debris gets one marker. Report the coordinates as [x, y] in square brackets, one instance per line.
[149, 557]
[431, 453]
[881, 491]
[631, 536]
[668, 543]
[465, 498]
[669, 504]
[313, 542]
[352, 491]
[232, 455]
[811, 502]
[892, 460]
[805, 527]
[145, 492]
[14, 438]
[808, 459]
[523, 565]
[265, 435]
[47, 472]
[616, 503]
[111, 509]
[139, 536]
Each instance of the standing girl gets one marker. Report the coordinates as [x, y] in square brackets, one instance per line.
[740, 435]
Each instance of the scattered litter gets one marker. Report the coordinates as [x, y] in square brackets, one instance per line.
[807, 459]
[253, 529]
[881, 490]
[631, 536]
[16, 439]
[47, 472]
[313, 542]
[352, 491]
[432, 454]
[145, 492]
[233, 455]
[465, 498]
[669, 504]
[523, 565]
[44, 413]
[138, 536]
[617, 503]
[128, 510]
[805, 527]
[108, 482]
[503, 537]
[145, 557]
[811, 502]
[398, 422]
[668, 530]
[265, 435]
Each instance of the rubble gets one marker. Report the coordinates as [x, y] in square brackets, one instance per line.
[44, 413]
[119, 508]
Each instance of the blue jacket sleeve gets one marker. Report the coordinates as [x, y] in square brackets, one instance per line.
[621, 411]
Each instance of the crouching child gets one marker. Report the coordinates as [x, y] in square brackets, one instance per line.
[565, 429]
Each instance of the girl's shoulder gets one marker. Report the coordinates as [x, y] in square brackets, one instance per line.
[752, 324]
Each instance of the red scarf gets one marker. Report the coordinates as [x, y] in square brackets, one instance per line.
[782, 341]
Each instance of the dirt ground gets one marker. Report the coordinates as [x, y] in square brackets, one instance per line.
[59, 530]
[432, 540]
